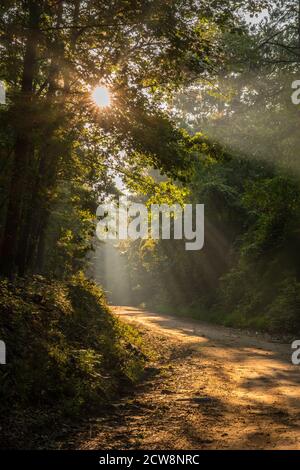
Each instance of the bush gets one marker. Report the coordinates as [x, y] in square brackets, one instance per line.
[284, 312]
[65, 351]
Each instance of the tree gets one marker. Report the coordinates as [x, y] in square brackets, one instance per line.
[140, 49]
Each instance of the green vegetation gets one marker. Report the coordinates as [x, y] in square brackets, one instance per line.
[247, 275]
[242, 127]
[59, 155]
[66, 355]
[200, 112]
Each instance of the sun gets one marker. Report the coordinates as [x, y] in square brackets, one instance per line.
[101, 96]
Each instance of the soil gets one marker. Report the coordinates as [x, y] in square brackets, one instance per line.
[208, 387]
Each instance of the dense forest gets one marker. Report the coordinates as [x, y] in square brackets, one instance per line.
[199, 111]
[243, 129]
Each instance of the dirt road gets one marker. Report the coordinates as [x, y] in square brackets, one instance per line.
[209, 388]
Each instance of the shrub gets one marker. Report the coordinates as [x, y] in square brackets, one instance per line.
[65, 351]
[284, 312]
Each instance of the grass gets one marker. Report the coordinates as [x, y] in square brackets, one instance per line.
[67, 356]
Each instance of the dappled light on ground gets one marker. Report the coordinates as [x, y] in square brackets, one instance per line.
[212, 387]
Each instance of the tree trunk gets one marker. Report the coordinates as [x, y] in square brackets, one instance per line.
[22, 148]
[48, 171]
[44, 179]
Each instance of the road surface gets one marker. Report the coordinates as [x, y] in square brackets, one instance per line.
[209, 387]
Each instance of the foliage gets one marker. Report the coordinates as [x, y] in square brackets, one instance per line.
[243, 138]
[52, 55]
[250, 257]
[66, 352]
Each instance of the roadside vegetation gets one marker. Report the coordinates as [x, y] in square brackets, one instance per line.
[199, 111]
[243, 130]
[67, 357]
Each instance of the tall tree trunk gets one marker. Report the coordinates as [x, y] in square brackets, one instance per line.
[39, 240]
[41, 206]
[22, 148]
[30, 253]
[44, 179]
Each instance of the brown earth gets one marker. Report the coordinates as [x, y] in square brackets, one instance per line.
[209, 387]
